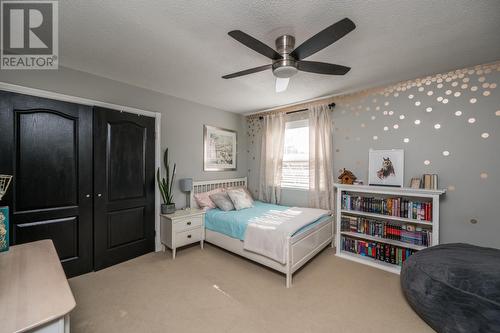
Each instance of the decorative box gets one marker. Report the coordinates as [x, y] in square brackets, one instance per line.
[4, 229]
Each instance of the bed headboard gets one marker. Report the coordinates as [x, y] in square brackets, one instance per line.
[208, 185]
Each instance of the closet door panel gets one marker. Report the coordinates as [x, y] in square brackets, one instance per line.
[47, 146]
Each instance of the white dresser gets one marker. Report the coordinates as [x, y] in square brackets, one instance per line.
[34, 293]
[182, 228]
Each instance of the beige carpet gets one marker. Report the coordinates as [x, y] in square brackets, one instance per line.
[214, 291]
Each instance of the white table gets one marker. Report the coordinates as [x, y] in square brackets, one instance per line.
[182, 228]
[34, 293]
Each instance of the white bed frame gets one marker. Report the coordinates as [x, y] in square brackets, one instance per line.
[300, 248]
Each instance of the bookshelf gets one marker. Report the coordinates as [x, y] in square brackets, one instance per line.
[389, 223]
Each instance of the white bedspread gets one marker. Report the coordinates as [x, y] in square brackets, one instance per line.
[267, 234]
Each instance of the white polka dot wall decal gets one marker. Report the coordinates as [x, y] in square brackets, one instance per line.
[448, 92]
[427, 83]
[470, 72]
[386, 103]
[417, 103]
[485, 85]
[440, 85]
[458, 113]
[428, 109]
[446, 153]
[406, 140]
[430, 92]
[386, 128]
[439, 99]
[457, 94]
[396, 126]
[473, 100]
[396, 94]
[402, 117]
[427, 162]
[464, 86]
[471, 120]
[497, 113]
[437, 126]
[385, 113]
[493, 86]
[374, 100]
[417, 122]
[448, 79]
[451, 188]
[377, 108]
[486, 93]
[481, 79]
[373, 117]
[485, 135]
[473, 88]
[483, 175]
[454, 84]
[375, 137]
[363, 125]
[410, 96]
[421, 89]
[391, 113]
[445, 101]
[439, 80]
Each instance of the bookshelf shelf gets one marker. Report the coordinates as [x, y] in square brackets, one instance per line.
[383, 240]
[385, 217]
[415, 195]
[370, 262]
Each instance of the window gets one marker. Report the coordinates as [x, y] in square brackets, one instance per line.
[296, 155]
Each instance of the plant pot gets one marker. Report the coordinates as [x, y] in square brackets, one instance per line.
[167, 208]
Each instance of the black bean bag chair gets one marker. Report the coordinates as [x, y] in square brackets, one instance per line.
[455, 287]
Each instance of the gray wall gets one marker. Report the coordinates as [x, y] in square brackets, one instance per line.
[471, 172]
[182, 121]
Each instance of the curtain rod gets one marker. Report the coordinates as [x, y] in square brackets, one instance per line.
[330, 106]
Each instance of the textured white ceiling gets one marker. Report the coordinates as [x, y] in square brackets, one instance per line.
[181, 48]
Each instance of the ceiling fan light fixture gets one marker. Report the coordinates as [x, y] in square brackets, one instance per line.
[281, 84]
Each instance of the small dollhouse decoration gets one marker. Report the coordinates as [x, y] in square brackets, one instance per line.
[347, 177]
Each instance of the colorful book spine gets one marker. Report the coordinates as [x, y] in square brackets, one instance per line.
[384, 252]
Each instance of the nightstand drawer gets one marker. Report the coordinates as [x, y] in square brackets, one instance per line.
[188, 237]
[188, 223]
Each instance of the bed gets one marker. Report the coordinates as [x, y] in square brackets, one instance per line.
[227, 230]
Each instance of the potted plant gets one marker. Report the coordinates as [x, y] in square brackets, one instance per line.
[166, 186]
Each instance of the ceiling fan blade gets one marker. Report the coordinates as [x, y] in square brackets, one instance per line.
[324, 38]
[281, 84]
[254, 44]
[322, 68]
[248, 71]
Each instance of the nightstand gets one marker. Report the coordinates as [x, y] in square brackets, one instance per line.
[182, 228]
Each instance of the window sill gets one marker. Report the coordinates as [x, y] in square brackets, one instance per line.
[299, 189]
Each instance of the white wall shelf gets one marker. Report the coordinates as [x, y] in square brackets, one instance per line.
[383, 192]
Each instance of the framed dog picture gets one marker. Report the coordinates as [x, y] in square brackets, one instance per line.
[386, 167]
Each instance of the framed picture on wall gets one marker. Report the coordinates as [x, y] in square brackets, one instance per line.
[386, 167]
[219, 149]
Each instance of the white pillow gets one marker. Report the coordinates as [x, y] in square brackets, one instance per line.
[240, 198]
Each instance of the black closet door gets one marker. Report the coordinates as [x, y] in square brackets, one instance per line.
[124, 183]
[47, 146]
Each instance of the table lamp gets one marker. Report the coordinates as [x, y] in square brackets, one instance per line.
[187, 186]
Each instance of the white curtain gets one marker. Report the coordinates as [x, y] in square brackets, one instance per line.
[320, 157]
[271, 157]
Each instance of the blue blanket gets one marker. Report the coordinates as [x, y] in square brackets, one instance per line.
[234, 223]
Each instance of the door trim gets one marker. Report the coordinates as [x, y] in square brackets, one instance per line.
[90, 102]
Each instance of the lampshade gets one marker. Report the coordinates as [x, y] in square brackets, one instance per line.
[186, 184]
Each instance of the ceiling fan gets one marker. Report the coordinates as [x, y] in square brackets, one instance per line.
[287, 61]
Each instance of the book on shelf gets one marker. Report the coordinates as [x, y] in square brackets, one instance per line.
[430, 181]
[379, 251]
[406, 233]
[399, 206]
